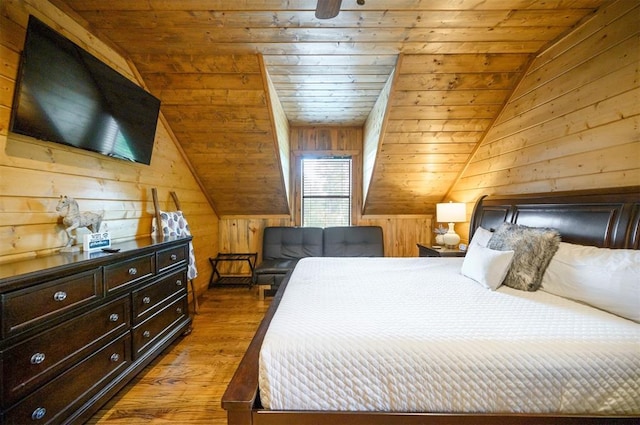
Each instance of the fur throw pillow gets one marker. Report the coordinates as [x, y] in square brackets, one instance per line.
[534, 247]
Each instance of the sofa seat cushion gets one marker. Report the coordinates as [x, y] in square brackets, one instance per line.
[276, 266]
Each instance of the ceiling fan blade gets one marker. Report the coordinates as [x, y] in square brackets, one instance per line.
[327, 9]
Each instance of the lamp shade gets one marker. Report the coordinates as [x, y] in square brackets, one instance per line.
[451, 212]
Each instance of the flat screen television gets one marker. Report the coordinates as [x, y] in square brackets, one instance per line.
[66, 95]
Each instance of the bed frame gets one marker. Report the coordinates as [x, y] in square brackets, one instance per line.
[607, 218]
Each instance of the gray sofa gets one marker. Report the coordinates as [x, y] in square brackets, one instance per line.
[283, 247]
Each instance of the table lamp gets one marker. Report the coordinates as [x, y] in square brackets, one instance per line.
[451, 212]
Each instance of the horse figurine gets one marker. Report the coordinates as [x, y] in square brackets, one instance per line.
[73, 219]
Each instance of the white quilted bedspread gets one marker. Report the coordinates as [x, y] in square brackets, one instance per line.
[413, 334]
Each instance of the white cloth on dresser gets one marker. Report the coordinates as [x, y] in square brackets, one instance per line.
[174, 223]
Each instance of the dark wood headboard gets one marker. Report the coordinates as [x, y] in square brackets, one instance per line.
[606, 218]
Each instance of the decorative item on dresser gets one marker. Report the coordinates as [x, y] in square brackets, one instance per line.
[76, 327]
[73, 219]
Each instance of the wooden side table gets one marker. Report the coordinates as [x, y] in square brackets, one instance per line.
[425, 250]
[217, 279]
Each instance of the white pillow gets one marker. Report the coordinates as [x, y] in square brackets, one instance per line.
[608, 279]
[486, 266]
[481, 237]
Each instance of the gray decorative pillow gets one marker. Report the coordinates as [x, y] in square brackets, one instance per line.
[534, 247]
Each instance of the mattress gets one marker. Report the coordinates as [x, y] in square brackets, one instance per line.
[414, 335]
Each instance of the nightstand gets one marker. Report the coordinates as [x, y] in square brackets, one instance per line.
[425, 250]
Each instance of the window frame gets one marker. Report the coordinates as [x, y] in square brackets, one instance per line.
[351, 195]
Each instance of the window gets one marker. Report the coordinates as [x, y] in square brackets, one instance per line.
[326, 192]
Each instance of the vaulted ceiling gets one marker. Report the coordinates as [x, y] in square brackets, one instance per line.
[211, 63]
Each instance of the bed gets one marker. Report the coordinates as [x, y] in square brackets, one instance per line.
[596, 388]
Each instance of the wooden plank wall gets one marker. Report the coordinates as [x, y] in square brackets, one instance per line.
[34, 174]
[373, 132]
[440, 107]
[401, 232]
[572, 123]
[280, 125]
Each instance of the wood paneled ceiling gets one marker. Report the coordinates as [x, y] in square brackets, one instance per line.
[205, 60]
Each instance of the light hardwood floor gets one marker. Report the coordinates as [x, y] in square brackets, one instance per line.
[184, 386]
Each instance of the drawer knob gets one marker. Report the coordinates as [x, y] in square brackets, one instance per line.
[146, 334]
[114, 317]
[60, 296]
[178, 282]
[146, 300]
[38, 413]
[173, 257]
[37, 358]
[133, 271]
[179, 310]
[114, 357]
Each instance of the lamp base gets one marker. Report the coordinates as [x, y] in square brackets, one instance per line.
[451, 238]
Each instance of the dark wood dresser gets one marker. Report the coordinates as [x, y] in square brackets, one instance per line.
[76, 327]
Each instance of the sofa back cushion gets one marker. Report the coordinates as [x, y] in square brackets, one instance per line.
[291, 242]
[353, 241]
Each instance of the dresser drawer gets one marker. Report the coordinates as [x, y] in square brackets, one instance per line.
[149, 332]
[172, 257]
[129, 271]
[28, 307]
[53, 402]
[37, 360]
[150, 298]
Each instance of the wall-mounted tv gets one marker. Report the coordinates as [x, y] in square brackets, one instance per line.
[66, 95]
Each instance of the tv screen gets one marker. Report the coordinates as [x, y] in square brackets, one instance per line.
[66, 95]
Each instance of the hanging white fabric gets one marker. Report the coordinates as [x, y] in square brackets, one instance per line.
[175, 224]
